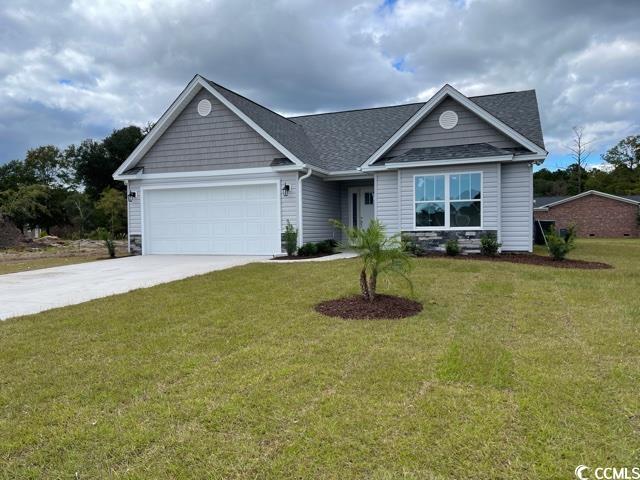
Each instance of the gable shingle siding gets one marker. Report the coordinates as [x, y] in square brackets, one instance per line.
[470, 129]
[218, 141]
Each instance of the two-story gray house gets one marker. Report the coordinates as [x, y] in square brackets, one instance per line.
[221, 174]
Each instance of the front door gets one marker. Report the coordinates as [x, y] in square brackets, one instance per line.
[361, 206]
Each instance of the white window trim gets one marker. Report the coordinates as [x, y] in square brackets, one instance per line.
[447, 202]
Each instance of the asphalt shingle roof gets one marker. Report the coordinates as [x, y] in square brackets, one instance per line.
[345, 140]
[431, 154]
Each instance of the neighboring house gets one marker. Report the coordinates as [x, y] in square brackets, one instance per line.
[221, 174]
[595, 214]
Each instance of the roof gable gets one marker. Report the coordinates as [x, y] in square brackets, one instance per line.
[544, 203]
[432, 103]
[470, 129]
[176, 108]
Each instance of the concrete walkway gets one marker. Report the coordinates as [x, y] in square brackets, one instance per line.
[34, 291]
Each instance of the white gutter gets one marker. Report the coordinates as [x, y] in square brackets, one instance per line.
[305, 176]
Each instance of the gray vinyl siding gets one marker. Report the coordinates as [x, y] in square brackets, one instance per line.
[133, 210]
[386, 200]
[517, 207]
[490, 193]
[470, 129]
[220, 140]
[288, 204]
[320, 203]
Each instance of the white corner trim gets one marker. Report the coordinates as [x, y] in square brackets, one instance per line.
[584, 194]
[209, 173]
[177, 107]
[448, 90]
[451, 162]
[300, 179]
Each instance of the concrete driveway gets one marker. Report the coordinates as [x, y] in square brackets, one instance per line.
[38, 290]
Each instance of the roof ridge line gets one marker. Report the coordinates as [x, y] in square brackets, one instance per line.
[357, 110]
[249, 100]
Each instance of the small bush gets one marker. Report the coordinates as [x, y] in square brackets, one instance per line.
[452, 247]
[558, 245]
[290, 237]
[489, 244]
[327, 246]
[308, 249]
[411, 246]
[108, 242]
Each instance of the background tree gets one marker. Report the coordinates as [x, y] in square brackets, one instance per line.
[27, 206]
[79, 210]
[48, 166]
[15, 174]
[580, 155]
[625, 153]
[113, 206]
[95, 162]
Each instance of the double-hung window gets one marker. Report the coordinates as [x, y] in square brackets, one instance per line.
[448, 200]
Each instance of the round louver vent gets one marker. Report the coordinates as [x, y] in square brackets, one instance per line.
[448, 119]
[204, 108]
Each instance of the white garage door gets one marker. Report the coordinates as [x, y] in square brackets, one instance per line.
[225, 220]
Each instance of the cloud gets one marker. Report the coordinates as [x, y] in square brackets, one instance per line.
[87, 66]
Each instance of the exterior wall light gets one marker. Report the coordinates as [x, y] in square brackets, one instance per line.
[286, 189]
[131, 196]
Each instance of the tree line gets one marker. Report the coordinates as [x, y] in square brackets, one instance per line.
[620, 177]
[70, 191]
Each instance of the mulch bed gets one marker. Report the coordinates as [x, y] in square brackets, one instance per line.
[527, 258]
[306, 257]
[357, 308]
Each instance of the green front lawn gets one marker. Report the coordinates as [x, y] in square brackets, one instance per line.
[511, 371]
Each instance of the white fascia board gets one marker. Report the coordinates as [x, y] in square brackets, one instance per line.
[534, 157]
[439, 163]
[448, 90]
[209, 173]
[277, 145]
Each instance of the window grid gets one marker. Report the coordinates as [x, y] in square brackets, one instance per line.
[446, 203]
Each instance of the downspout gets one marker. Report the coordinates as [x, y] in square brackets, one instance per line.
[305, 176]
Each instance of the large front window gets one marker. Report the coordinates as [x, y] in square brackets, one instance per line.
[448, 201]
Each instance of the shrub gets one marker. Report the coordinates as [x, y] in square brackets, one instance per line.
[108, 242]
[379, 253]
[489, 244]
[558, 245]
[308, 249]
[452, 248]
[327, 246]
[409, 245]
[290, 237]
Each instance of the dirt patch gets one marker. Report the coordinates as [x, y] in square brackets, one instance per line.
[305, 257]
[10, 235]
[356, 307]
[527, 258]
[51, 246]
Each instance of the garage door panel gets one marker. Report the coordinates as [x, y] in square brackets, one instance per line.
[241, 219]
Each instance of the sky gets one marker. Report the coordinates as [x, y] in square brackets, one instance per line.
[71, 70]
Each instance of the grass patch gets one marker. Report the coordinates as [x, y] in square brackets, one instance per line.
[510, 371]
[23, 265]
[477, 362]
